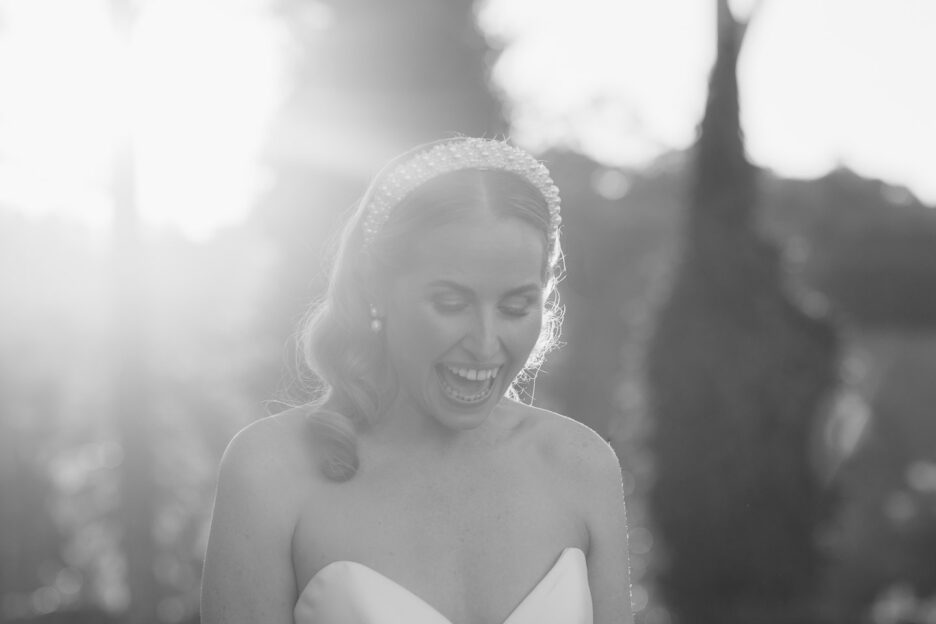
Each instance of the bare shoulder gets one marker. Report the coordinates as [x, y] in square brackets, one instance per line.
[273, 451]
[586, 469]
[570, 446]
[265, 472]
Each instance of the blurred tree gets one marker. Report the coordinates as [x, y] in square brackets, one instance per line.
[131, 398]
[614, 246]
[868, 246]
[390, 74]
[26, 491]
[51, 531]
[737, 374]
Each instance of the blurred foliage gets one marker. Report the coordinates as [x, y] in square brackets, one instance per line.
[867, 245]
[737, 374]
[219, 318]
[886, 534]
[63, 458]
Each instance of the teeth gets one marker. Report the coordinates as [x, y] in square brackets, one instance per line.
[474, 374]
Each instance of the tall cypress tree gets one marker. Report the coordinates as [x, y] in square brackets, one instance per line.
[737, 374]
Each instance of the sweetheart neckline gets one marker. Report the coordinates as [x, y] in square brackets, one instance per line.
[552, 570]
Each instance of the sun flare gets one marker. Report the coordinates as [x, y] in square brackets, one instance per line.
[195, 86]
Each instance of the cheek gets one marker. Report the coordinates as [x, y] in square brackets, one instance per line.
[443, 327]
[421, 330]
[521, 337]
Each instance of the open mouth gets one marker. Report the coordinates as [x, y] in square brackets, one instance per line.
[467, 385]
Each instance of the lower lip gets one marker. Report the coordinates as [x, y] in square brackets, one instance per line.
[458, 398]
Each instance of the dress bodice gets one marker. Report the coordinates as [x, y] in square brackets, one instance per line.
[345, 592]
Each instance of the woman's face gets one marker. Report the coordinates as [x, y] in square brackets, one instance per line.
[462, 322]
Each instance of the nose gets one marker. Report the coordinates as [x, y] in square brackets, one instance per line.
[483, 338]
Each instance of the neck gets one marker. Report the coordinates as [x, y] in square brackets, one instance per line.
[405, 428]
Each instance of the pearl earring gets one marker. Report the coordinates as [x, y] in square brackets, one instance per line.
[376, 324]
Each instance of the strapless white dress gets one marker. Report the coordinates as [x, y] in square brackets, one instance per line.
[345, 592]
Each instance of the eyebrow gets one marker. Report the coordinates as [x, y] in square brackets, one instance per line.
[519, 290]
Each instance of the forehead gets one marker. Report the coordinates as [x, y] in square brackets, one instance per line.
[484, 253]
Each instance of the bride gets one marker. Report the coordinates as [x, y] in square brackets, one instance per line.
[417, 488]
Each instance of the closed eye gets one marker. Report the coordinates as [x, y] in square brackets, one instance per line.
[449, 305]
[518, 306]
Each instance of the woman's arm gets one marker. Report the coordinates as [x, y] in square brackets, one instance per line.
[592, 475]
[248, 575]
[608, 561]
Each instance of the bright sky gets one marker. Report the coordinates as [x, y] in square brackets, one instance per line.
[823, 82]
[206, 77]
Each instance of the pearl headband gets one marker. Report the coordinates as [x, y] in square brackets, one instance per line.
[455, 155]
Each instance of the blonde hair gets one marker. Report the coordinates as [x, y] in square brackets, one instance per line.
[354, 383]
